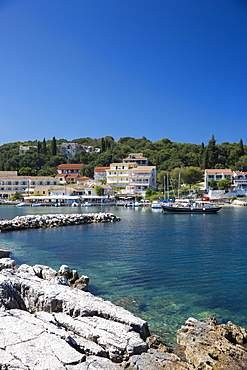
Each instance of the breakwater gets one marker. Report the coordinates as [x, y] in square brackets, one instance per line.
[54, 220]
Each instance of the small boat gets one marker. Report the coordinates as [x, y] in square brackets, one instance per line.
[133, 204]
[156, 205]
[36, 204]
[196, 206]
[22, 204]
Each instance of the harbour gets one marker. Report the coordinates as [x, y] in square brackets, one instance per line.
[162, 267]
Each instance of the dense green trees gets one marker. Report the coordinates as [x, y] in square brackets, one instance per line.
[164, 154]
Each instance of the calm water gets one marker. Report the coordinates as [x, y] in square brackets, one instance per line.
[162, 267]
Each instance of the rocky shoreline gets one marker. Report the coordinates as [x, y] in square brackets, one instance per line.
[54, 220]
[45, 323]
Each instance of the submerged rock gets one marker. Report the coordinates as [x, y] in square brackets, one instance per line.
[45, 324]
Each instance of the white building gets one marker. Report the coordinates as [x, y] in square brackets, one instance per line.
[240, 180]
[100, 173]
[136, 179]
[136, 158]
[24, 148]
[68, 150]
[217, 175]
[142, 178]
[9, 185]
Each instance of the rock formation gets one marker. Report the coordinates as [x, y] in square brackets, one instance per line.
[47, 325]
[54, 220]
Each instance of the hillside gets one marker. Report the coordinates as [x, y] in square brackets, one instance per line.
[165, 154]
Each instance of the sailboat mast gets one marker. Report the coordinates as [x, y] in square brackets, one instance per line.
[167, 179]
[164, 187]
[179, 184]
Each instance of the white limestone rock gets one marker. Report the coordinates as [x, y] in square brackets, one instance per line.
[7, 263]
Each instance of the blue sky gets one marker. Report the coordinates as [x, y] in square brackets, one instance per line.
[153, 68]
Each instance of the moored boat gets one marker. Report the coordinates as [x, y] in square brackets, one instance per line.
[156, 205]
[196, 206]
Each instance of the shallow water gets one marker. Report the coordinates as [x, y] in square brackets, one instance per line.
[162, 267]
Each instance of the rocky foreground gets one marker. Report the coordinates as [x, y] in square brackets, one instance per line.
[47, 324]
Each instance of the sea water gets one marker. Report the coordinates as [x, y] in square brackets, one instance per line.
[162, 267]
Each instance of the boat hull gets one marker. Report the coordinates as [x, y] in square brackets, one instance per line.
[172, 209]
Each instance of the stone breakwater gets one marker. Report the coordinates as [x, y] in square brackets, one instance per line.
[54, 220]
[47, 325]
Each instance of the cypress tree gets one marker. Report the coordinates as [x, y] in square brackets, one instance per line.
[44, 148]
[102, 145]
[54, 146]
[241, 148]
[201, 155]
[212, 152]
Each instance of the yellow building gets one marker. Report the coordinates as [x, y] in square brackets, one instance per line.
[119, 173]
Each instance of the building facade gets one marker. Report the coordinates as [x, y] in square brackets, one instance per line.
[100, 173]
[136, 158]
[68, 150]
[136, 179]
[142, 178]
[240, 180]
[217, 175]
[23, 184]
[118, 174]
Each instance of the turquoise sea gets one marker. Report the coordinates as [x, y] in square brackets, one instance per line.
[162, 267]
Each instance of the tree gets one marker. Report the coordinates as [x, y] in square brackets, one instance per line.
[26, 171]
[54, 146]
[192, 175]
[39, 147]
[224, 184]
[213, 184]
[98, 190]
[16, 196]
[44, 148]
[212, 152]
[241, 148]
[102, 145]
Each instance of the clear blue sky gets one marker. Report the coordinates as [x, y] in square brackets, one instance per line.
[153, 68]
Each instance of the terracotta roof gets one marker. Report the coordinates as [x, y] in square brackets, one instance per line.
[101, 169]
[219, 171]
[84, 178]
[240, 173]
[71, 176]
[74, 166]
[62, 175]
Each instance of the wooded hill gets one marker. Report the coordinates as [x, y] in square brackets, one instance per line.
[164, 154]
